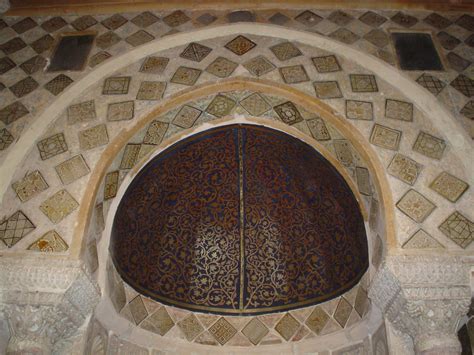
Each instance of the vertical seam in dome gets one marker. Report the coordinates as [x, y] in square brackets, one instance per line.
[241, 217]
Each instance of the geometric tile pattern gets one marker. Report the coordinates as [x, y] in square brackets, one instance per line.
[255, 331]
[33, 64]
[343, 311]
[318, 129]
[240, 45]
[154, 65]
[385, 137]
[287, 326]
[399, 110]
[139, 38]
[255, 104]
[52, 146]
[185, 118]
[98, 58]
[459, 229]
[317, 320]
[222, 67]
[24, 87]
[120, 111]
[222, 331]
[416, 206]
[50, 242]
[130, 156]
[449, 186]
[14, 228]
[363, 83]
[186, 76]
[81, 112]
[190, 327]
[259, 66]
[195, 52]
[288, 113]
[285, 51]
[326, 64]
[111, 184]
[24, 25]
[176, 19]
[53, 24]
[156, 129]
[294, 74]
[430, 146]
[93, 137]
[12, 112]
[144, 19]
[72, 169]
[359, 110]
[220, 106]
[58, 84]
[464, 85]
[12, 46]
[42, 44]
[404, 168]
[116, 85]
[422, 240]
[151, 90]
[6, 64]
[431, 83]
[5, 139]
[59, 206]
[30, 186]
[437, 21]
[107, 40]
[327, 89]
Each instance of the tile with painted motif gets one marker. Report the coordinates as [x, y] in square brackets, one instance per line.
[72, 169]
[59, 206]
[50, 242]
[14, 228]
[415, 205]
[93, 137]
[385, 137]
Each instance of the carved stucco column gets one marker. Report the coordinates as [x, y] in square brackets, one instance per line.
[45, 303]
[424, 298]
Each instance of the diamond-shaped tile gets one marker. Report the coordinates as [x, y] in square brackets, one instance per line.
[6, 139]
[459, 229]
[327, 89]
[255, 331]
[13, 112]
[466, 21]
[470, 41]
[111, 184]
[285, 51]
[359, 110]
[34, 64]
[404, 20]
[186, 76]
[221, 106]
[361, 302]
[107, 40]
[6, 64]
[83, 23]
[468, 110]
[343, 151]
[115, 21]
[159, 322]
[385, 137]
[416, 206]
[117, 85]
[222, 331]
[50, 242]
[144, 19]
[255, 104]
[120, 111]
[326, 64]
[191, 327]
[93, 137]
[130, 156]
[13, 45]
[373, 19]
[287, 326]
[59, 206]
[317, 320]
[72, 169]
[279, 19]
[377, 37]
[288, 113]
[24, 25]
[222, 67]
[448, 41]
[30, 186]
[308, 18]
[240, 45]
[42, 44]
[154, 65]
[14, 228]
[318, 129]
[138, 38]
[176, 19]
[404, 168]
[430, 146]
[422, 240]
[464, 85]
[259, 66]
[206, 19]
[437, 21]
[449, 186]
[195, 52]
[340, 18]
[457, 62]
[58, 84]
[138, 310]
[185, 117]
[399, 110]
[99, 58]
[156, 129]
[294, 74]
[363, 83]
[81, 112]
[343, 311]
[52, 146]
[241, 16]
[431, 83]
[151, 90]
[53, 24]
[344, 35]
[363, 181]
[24, 87]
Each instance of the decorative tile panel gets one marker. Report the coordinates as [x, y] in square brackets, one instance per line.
[190, 327]
[156, 129]
[72, 169]
[459, 229]
[120, 111]
[255, 331]
[59, 206]
[343, 311]
[430, 146]
[195, 52]
[139, 38]
[449, 186]
[222, 67]
[344, 35]
[422, 240]
[385, 137]
[93, 137]
[240, 45]
[117, 85]
[176, 19]
[107, 40]
[317, 320]
[186, 76]
[83, 23]
[138, 310]
[399, 110]
[115, 21]
[144, 19]
[12, 46]
[377, 37]
[404, 20]
[340, 18]
[151, 90]
[14, 228]
[30, 186]
[6, 139]
[52, 146]
[363, 83]
[159, 322]
[373, 19]
[404, 168]
[99, 58]
[24, 25]
[154, 65]
[255, 104]
[308, 18]
[81, 112]
[42, 44]
[287, 326]
[327, 89]
[318, 129]
[285, 51]
[259, 66]
[359, 110]
[53, 24]
[222, 331]
[12, 112]
[416, 206]
[294, 74]
[220, 106]
[326, 64]
[464, 85]
[6, 64]
[288, 113]
[431, 83]
[111, 184]
[130, 156]
[50, 242]
[343, 151]
[58, 84]
[24, 87]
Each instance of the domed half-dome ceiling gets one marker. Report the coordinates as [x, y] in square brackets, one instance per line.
[240, 219]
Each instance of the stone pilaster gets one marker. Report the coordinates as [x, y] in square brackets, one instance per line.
[424, 297]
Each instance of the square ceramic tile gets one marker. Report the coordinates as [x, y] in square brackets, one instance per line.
[385, 137]
[255, 331]
[154, 65]
[343, 151]
[111, 184]
[52, 146]
[222, 331]
[308, 18]
[255, 104]
[343, 311]
[221, 106]
[120, 111]
[399, 110]
[6, 139]
[422, 240]
[449, 186]
[430, 146]
[72, 169]
[287, 326]
[186, 76]
[416, 206]
[139, 38]
[156, 129]
[50, 242]
[81, 112]
[222, 67]
[190, 327]
[327, 89]
[240, 45]
[58, 84]
[294, 74]
[459, 229]
[93, 137]
[14, 228]
[117, 85]
[359, 110]
[259, 66]
[13, 112]
[151, 90]
[30, 186]
[404, 169]
[24, 87]
[285, 51]
[159, 322]
[59, 206]
[130, 156]
[363, 83]
[317, 320]
[288, 113]
[318, 129]
[195, 52]
[175, 19]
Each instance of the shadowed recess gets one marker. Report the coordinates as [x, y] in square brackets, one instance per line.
[239, 220]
